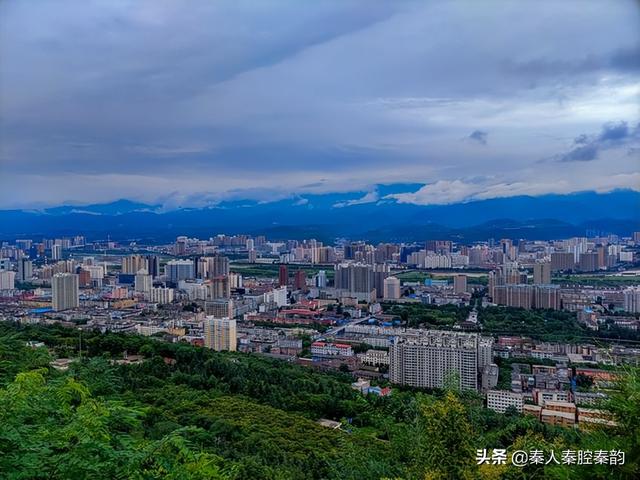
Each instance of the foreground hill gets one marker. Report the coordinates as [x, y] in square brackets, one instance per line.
[187, 412]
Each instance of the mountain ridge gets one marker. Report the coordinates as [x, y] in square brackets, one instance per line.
[614, 212]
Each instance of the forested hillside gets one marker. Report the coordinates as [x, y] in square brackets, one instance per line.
[186, 412]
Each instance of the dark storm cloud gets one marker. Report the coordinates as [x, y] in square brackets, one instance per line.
[583, 153]
[479, 136]
[614, 131]
[204, 99]
[612, 135]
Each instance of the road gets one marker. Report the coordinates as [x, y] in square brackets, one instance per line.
[336, 330]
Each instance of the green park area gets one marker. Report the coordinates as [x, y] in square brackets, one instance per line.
[273, 270]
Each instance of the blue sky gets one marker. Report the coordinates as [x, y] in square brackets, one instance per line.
[192, 102]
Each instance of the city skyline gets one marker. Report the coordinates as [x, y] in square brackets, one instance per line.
[319, 240]
[188, 107]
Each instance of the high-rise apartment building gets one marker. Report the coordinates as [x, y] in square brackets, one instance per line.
[547, 297]
[439, 246]
[7, 279]
[276, 297]
[434, 357]
[56, 252]
[514, 295]
[217, 266]
[351, 249]
[321, 279]
[380, 272]
[460, 284]
[601, 251]
[632, 299]
[84, 277]
[161, 295]
[177, 270]
[437, 261]
[132, 264]
[562, 261]
[220, 334]
[219, 287]
[143, 282]
[24, 243]
[588, 262]
[201, 266]
[5, 264]
[508, 274]
[354, 277]
[153, 265]
[65, 291]
[25, 269]
[283, 275]
[235, 280]
[180, 247]
[300, 280]
[478, 256]
[219, 308]
[542, 273]
[391, 288]
[527, 296]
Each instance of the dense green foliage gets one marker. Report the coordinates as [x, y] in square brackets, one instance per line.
[416, 314]
[187, 412]
[552, 325]
[548, 324]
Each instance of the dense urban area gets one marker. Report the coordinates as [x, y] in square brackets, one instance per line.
[349, 358]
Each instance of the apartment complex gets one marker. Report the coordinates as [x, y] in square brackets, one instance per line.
[220, 334]
[430, 359]
[64, 291]
[500, 400]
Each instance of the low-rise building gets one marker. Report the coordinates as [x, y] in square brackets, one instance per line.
[534, 410]
[554, 417]
[374, 357]
[541, 397]
[592, 417]
[501, 400]
[325, 349]
[558, 413]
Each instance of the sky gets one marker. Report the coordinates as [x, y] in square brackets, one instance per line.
[189, 102]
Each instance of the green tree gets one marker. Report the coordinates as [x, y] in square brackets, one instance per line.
[443, 447]
[624, 403]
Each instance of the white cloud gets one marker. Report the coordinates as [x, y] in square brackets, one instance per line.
[370, 197]
[441, 192]
[445, 192]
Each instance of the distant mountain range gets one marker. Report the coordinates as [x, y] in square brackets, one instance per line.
[349, 215]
